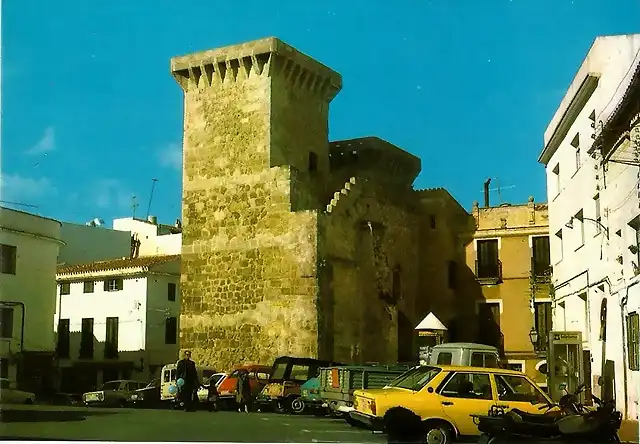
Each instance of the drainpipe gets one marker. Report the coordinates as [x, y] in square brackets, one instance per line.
[21, 305]
[625, 375]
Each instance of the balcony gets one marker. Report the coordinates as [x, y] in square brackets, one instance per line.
[489, 273]
[541, 271]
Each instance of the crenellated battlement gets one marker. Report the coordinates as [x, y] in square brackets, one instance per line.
[268, 57]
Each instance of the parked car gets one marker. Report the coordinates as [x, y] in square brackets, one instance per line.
[445, 397]
[113, 393]
[310, 396]
[168, 380]
[288, 373]
[215, 379]
[147, 397]
[258, 378]
[10, 394]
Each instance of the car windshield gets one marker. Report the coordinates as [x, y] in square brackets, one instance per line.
[415, 378]
[111, 385]
[213, 379]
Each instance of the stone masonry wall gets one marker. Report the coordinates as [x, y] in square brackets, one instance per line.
[249, 284]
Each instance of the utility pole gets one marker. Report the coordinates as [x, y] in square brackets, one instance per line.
[134, 206]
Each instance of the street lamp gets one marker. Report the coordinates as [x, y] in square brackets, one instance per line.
[595, 221]
[533, 336]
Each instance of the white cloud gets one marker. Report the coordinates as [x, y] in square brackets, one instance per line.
[171, 156]
[111, 193]
[17, 188]
[46, 144]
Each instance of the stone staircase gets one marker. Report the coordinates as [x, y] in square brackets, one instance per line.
[338, 194]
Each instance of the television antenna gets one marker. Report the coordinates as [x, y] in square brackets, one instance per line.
[499, 188]
[134, 206]
[153, 186]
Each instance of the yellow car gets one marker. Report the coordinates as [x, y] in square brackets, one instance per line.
[445, 397]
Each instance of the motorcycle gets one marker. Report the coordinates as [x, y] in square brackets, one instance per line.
[573, 422]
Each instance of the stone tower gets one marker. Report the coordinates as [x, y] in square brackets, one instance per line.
[255, 158]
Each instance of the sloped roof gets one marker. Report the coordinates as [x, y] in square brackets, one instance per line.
[117, 264]
[431, 322]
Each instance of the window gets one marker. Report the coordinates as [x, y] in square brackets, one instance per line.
[543, 318]
[8, 259]
[489, 331]
[6, 316]
[432, 222]
[171, 330]
[111, 339]
[487, 262]
[445, 358]
[171, 292]
[633, 341]
[416, 378]
[86, 339]
[299, 372]
[113, 284]
[560, 244]
[576, 144]
[513, 388]
[313, 161]
[598, 217]
[486, 360]
[64, 339]
[65, 288]
[468, 386]
[452, 275]
[541, 256]
[580, 218]
[516, 366]
[556, 173]
[89, 286]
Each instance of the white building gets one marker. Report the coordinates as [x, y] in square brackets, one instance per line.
[94, 242]
[117, 319]
[591, 157]
[29, 247]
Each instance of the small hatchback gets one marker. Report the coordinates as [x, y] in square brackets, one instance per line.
[447, 397]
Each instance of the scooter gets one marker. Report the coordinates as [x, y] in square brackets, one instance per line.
[572, 423]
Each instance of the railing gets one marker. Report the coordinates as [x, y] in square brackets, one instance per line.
[491, 271]
[541, 271]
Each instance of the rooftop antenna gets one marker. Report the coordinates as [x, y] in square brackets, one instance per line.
[134, 206]
[499, 189]
[18, 204]
[153, 186]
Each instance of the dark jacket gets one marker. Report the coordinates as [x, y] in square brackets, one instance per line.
[186, 369]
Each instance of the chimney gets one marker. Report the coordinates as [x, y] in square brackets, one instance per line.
[486, 192]
[152, 220]
[178, 224]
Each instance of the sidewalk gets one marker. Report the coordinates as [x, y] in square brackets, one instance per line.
[628, 431]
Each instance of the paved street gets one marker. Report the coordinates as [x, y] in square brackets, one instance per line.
[78, 423]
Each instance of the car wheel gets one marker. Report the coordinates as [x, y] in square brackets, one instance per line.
[438, 433]
[28, 401]
[297, 405]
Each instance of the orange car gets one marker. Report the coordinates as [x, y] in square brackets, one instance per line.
[258, 378]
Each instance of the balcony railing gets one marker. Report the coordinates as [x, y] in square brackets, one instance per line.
[541, 271]
[489, 272]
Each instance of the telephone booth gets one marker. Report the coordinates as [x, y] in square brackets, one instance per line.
[565, 368]
[431, 332]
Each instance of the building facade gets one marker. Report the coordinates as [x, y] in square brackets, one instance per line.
[29, 246]
[129, 237]
[591, 160]
[508, 282]
[116, 319]
[293, 245]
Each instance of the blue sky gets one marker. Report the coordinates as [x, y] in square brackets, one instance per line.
[90, 113]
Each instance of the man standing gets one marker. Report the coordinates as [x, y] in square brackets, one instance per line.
[186, 369]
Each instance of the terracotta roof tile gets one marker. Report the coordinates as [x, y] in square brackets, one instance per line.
[115, 264]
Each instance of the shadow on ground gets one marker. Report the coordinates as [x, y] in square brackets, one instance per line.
[8, 415]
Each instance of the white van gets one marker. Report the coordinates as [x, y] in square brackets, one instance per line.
[168, 379]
